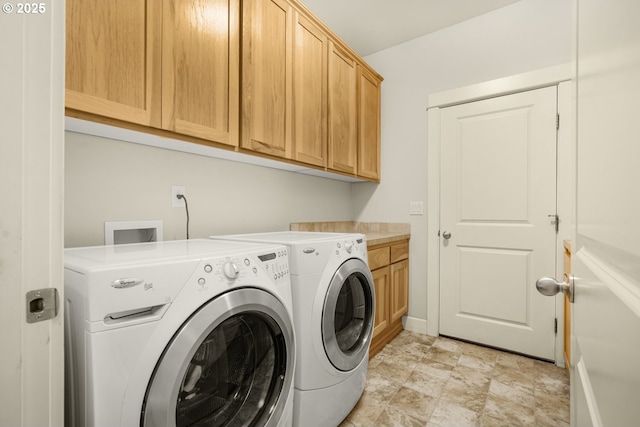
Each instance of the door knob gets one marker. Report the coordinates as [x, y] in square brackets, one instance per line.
[550, 287]
[446, 235]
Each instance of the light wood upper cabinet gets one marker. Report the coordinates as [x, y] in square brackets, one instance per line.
[310, 92]
[266, 77]
[173, 64]
[343, 110]
[369, 126]
[201, 69]
[113, 59]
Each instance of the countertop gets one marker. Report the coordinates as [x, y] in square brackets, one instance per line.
[376, 233]
[381, 238]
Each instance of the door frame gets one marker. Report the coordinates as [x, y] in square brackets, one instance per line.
[560, 75]
[32, 214]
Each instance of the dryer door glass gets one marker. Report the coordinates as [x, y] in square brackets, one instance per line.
[348, 315]
[230, 364]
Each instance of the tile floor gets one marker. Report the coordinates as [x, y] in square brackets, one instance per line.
[418, 380]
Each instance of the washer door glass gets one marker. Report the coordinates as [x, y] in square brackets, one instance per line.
[233, 374]
[236, 373]
[347, 320]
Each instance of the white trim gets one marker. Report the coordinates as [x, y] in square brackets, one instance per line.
[503, 86]
[121, 134]
[565, 191]
[433, 222]
[415, 324]
[32, 215]
[527, 81]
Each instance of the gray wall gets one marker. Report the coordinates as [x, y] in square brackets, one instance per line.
[109, 180]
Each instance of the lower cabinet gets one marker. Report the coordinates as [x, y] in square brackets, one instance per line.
[389, 264]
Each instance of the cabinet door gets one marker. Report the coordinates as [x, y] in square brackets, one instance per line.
[343, 114]
[113, 59]
[310, 92]
[200, 80]
[398, 252]
[266, 77]
[399, 289]
[382, 282]
[369, 126]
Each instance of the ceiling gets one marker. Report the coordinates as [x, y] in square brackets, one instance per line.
[369, 26]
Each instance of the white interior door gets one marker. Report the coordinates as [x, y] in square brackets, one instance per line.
[497, 224]
[605, 350]
[31, 239]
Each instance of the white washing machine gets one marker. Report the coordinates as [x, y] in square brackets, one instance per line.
[179, 333]
[333, 311]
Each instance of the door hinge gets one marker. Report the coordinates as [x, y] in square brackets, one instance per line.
[557, 121]
[556, 221]
[555, 326]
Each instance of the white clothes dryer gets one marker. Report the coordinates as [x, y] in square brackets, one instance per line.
[179, 333]
[333, 311]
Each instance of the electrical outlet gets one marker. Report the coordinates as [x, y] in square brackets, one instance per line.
[175, 191]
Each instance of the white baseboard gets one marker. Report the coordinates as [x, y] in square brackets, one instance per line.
[415, 324]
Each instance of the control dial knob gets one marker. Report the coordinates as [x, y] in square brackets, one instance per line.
[230, 270]
[348, 246]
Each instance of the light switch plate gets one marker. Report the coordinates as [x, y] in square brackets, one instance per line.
[416, 208]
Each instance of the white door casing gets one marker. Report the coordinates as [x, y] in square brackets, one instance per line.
[31, 217]
[557, 75]
[605, 350]
[498, 190]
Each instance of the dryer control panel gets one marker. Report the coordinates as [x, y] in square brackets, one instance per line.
[276, 263]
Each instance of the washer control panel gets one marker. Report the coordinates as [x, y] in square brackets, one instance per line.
[244, 269]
